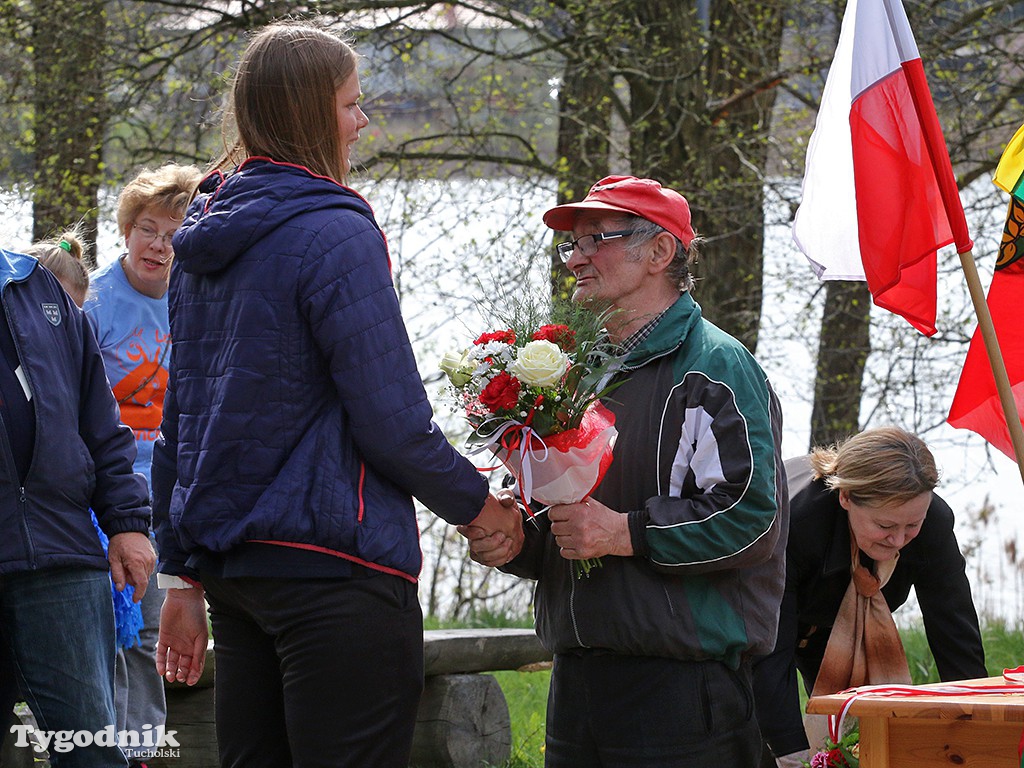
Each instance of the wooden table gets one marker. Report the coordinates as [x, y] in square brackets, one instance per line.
[973, 730]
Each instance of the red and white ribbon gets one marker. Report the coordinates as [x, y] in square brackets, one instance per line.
[835, 722]
[522, 441]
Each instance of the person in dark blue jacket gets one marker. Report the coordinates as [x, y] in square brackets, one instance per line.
[64, 451]
[296, 432]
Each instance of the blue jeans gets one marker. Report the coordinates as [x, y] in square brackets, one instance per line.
[57, 630]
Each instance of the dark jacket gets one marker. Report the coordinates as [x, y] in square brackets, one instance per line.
[83, 455]
[697, 468]
[817, 577]
[294, 409]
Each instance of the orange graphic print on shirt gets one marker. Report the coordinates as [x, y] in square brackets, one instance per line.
[140, 393]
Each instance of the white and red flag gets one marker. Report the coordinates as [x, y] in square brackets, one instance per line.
[879, 195]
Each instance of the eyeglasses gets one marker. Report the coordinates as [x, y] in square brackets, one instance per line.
[588, 243]
[149, 234]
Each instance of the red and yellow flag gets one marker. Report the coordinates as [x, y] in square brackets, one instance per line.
[976, 405]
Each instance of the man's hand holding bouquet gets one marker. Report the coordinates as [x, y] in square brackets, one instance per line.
[531, 394]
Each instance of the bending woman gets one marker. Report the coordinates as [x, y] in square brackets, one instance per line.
[296, 432]
[867, 503]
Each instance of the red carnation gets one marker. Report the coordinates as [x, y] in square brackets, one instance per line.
[562, 335]
[505, 337]
[502, 393]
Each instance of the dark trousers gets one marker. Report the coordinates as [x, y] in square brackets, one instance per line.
[314, 672]
[613, 711]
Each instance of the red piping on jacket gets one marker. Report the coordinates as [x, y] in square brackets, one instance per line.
[342, 555]
[362, 480]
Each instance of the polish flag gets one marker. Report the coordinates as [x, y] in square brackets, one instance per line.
[879, 195]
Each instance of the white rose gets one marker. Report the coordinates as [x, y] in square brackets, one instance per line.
[457, 366]
[540, 364]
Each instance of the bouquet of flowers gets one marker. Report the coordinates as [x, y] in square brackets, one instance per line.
[531, 395]
[842, 754]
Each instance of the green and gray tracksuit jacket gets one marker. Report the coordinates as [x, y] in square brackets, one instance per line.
[697, 467]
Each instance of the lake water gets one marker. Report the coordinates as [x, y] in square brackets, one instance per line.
[458, 248]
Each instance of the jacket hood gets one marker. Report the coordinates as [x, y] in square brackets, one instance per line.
[232, 213]
[15, 267]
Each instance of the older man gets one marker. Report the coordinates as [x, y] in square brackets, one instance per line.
[652, 649]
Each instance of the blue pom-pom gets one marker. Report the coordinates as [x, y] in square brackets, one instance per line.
[127, 616]
[127, 613]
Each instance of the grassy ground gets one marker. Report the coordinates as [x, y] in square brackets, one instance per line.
[526, 692]
[1004, 647]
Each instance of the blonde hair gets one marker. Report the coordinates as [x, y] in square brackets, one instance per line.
[283, 98]
[63, 257]
[878, 467]
[168, 188]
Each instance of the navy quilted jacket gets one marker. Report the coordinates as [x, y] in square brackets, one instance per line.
[83, 454]
[294, 407]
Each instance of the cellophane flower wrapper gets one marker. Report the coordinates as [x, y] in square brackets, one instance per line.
[564, 468]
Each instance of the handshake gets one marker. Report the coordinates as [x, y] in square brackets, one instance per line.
[496, 534]
[586, 530]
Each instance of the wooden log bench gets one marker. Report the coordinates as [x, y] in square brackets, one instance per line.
[463, 719]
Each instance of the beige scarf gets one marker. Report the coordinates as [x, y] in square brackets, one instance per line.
[864, 647]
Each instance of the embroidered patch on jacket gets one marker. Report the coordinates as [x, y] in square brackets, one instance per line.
[52, 313]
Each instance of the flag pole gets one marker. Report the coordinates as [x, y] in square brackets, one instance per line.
[935, 143]
[995, 357]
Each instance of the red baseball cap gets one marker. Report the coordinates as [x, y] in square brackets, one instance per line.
[642, 197]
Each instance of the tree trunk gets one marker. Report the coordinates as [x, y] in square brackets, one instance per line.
[70, 115]
[842, 353]
[700, 107]
[583, 142]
